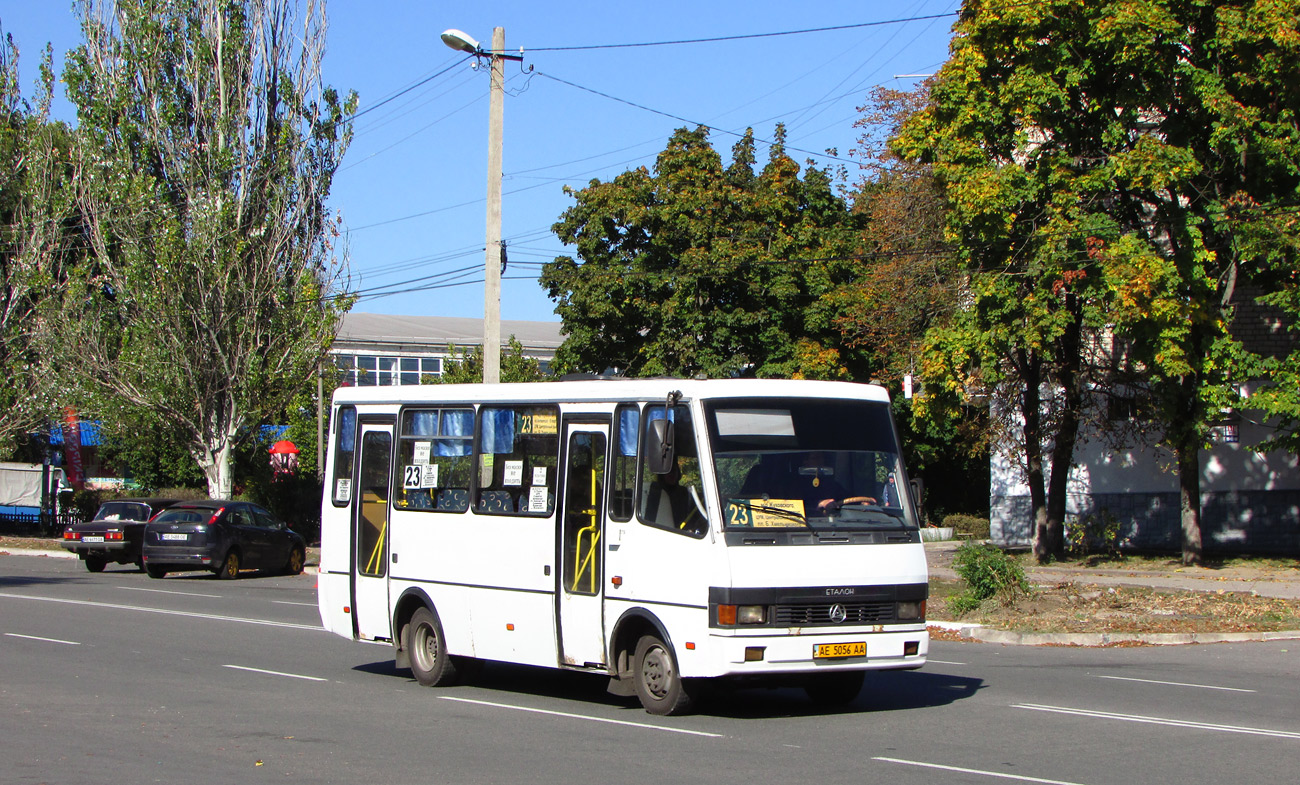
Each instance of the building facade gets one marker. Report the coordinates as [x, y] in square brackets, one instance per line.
[381, 349]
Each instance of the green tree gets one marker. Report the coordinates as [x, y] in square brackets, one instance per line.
[34, 249]
[704, 269]
[1104, 163]
[206, 148]
[467, 367]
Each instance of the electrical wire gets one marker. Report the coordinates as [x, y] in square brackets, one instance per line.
[744, 37]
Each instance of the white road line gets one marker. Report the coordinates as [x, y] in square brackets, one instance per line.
[274, 673]
[46, 640]
[165, 591]
[165, 612]
[1172, 683]
[1002, 775]
[942, 662]
[583, 717]
[1173, 723]
[286, 602]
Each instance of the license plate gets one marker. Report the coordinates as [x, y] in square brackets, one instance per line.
[92, 538]
[172, 536]
[827, 650]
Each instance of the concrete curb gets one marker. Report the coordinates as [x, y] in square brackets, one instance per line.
[977, 632]
[309, 569]
[47, 554]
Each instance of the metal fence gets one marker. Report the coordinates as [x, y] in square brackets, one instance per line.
[46, 524]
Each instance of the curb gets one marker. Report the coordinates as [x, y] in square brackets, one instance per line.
[47, 554]
[977, 632]
[308, 569]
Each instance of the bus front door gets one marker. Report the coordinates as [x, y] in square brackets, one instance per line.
[582, 547]
[370, 533]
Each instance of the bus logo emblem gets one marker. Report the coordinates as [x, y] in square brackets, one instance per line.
[838, 614]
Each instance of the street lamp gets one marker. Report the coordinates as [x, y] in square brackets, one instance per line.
[462, 42]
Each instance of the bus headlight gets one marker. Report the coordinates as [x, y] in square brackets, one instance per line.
[731, 615]
[911, 611]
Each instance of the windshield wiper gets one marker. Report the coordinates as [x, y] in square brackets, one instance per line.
[780, 512]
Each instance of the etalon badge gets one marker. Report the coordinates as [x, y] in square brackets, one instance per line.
[838, 613]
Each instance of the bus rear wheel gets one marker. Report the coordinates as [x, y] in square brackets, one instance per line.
[427, 647]
[658, 683]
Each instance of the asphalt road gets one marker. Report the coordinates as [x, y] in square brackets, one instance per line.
[116, 677]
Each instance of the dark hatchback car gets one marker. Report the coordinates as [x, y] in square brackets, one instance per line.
[221, 536]
[115, 534]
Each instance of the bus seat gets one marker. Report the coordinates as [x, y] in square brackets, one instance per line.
[453, 499]
[496, 501]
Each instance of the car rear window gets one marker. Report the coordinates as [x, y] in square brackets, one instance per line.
[183, 516]
[122, 511]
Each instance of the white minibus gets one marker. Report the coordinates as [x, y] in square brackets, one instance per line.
[660, 532]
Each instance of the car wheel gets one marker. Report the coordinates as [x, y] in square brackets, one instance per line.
[229, 569]
[155, 572]
[427, 646]
[834, 689]
[95, 563]
[294, 565]
[658, 683]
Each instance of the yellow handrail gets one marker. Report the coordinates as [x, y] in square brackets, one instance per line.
[592, 530]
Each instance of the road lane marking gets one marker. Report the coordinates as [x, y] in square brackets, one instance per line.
[37, 638]
[166, 612]
[942, 662]
[962, 770]
[165, 591]
[1173, 723]
[274, 673]
[286, 602]
[1172, 683]
[644, 725]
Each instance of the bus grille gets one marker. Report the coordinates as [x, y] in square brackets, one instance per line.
[820, 614]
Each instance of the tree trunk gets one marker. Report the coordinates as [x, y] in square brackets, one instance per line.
[1069, 360]
[1189, 498]
[217, 463]
[1031, 412]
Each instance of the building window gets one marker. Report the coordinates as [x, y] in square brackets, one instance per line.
[364, 370]
[1120, 408]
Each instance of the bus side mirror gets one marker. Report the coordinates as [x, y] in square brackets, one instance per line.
[660, 450]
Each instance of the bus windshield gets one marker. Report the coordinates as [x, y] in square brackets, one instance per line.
[808, 464]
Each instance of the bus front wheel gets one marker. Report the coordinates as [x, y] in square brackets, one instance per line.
[427, 647]
[659, 684]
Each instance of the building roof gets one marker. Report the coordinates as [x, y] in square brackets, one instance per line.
[375, 330]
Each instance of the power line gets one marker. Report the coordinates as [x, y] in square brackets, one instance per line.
[743, 37]
[686, 120]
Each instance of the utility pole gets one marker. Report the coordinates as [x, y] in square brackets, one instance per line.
[492, 252]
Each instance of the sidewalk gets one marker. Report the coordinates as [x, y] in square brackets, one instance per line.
[1283, 583]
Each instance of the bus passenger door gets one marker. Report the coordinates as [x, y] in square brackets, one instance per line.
[582, 548]
[370, 532]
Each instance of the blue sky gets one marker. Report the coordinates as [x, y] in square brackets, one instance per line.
[412, 186]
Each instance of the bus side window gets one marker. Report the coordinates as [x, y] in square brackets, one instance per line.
[434, 454]
[345, 441]
[518, 452]
[668, 501]
[622, 497]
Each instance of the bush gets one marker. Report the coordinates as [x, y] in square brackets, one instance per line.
[988, 573]
[1096, 533]
[973, 525]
